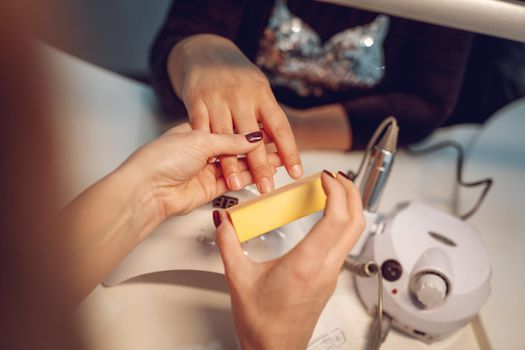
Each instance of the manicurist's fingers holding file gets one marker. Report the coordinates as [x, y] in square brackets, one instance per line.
[276, 304]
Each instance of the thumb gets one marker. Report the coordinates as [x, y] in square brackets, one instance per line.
[232, 144]
[230, 248]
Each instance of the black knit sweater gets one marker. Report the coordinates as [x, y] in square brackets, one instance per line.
[424, 63]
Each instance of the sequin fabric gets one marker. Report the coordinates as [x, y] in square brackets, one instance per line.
[291, 54]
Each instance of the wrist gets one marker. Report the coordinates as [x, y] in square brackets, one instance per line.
[146, 210]
[272, 344]
[275, 338]
[193, 51]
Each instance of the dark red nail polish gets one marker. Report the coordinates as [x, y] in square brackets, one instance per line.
[340, 173]
[216, 218]
[254, 136]
[329, 174]
[350, 176]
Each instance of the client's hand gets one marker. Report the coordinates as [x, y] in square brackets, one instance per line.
[276, 304]
[222, 91]
[175, 166]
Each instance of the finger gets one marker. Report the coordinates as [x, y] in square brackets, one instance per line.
[266, 137]
[355, 210]
[221, 123]
[269, 146]
[273, 159]
[246, 179]
[326, 233]
[277, 126]
[246, 123]
[230, 248]
[336, 207]
[353, 198]
[198, 115]
[224, 144]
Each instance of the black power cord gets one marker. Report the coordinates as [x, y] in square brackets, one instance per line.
[459, 170]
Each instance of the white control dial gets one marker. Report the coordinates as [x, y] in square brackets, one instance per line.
[430, 290]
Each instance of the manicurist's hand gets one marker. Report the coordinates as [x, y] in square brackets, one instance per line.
[176, 168]
[276, 304]
[225, 93]
[168, 176]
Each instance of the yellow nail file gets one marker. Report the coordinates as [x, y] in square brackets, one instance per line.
[277, 208]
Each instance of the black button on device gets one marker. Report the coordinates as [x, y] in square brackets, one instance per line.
[391, 270]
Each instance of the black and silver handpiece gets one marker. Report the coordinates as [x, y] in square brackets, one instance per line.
[379, 165]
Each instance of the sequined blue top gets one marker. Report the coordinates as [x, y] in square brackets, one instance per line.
[292, 55]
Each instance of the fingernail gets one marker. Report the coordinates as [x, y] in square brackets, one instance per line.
[351, 175]
[344, 175]
[254, 136]
[234, 182]
[212, 160]
[216, 218]
[329, 173]
[265, 185]
[297, 171]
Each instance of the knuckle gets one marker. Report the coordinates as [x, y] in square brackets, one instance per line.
[222, 126]
[303, 273]
[273, 110]
[292, 158]
[196, 110]
[315, 273]
[229, 165]
[339, 221]
[197, 121]
[282, 130]
[261, 169]
[229, 169]
[199, 139]
[237, 97]
[236, 141]
[222, 129]
[259, 80]
[191, 98]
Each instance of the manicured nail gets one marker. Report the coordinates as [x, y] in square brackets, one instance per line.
[297, 171]
[351, 175]
[216, 218]
[344, 175]
[265, 185]
[234, 182]
[329, 174]
[255, 136]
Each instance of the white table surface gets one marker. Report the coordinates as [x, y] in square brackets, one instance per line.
[498, 151]
[100, 119]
